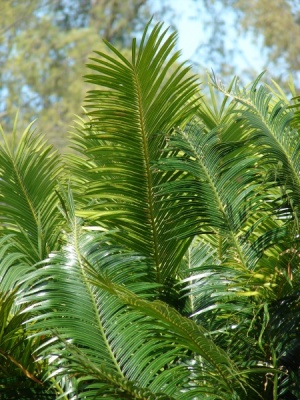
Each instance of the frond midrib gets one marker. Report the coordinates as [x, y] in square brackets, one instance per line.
[146, 161]
[92, 298]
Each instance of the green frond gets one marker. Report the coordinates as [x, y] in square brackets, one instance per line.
[137, 104]
[20, 373]
[13, 264]
[269, 121]
[98, 323]
[173, 273]
[183, 330]
[220, 189]
[96, 380]
[97, 297]
[28, 209]
[215, 110]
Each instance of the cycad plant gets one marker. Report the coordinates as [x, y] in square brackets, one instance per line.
[160, 259]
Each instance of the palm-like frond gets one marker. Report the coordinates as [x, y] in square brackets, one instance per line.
[282, 317]
[28, 207]
[30, 226]
[177, 273]
[137, 104]
[226, 187]
[96, 297]
[220, 190]
[13, 263]
[270, 121]
[20, 374]
[224, 296]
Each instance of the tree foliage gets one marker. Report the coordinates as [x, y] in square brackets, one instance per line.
[274, 30]
[161, 259]
[44, 46]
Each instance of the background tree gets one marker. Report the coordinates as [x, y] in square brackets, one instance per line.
[44, 45]
[274, 29]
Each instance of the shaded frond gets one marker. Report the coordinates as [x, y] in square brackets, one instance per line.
[29, 171]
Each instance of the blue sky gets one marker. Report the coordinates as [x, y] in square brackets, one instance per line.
[192, 34]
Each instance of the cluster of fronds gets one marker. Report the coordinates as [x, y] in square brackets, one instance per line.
[161, 259]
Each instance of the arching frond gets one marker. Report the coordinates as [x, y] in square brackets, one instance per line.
[270, 122]
[220, 190]
[137, 103]
[29, 170]
[97, 301]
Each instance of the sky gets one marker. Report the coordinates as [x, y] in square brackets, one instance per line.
[191, 35]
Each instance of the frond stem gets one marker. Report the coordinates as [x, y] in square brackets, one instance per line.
[148, 176]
